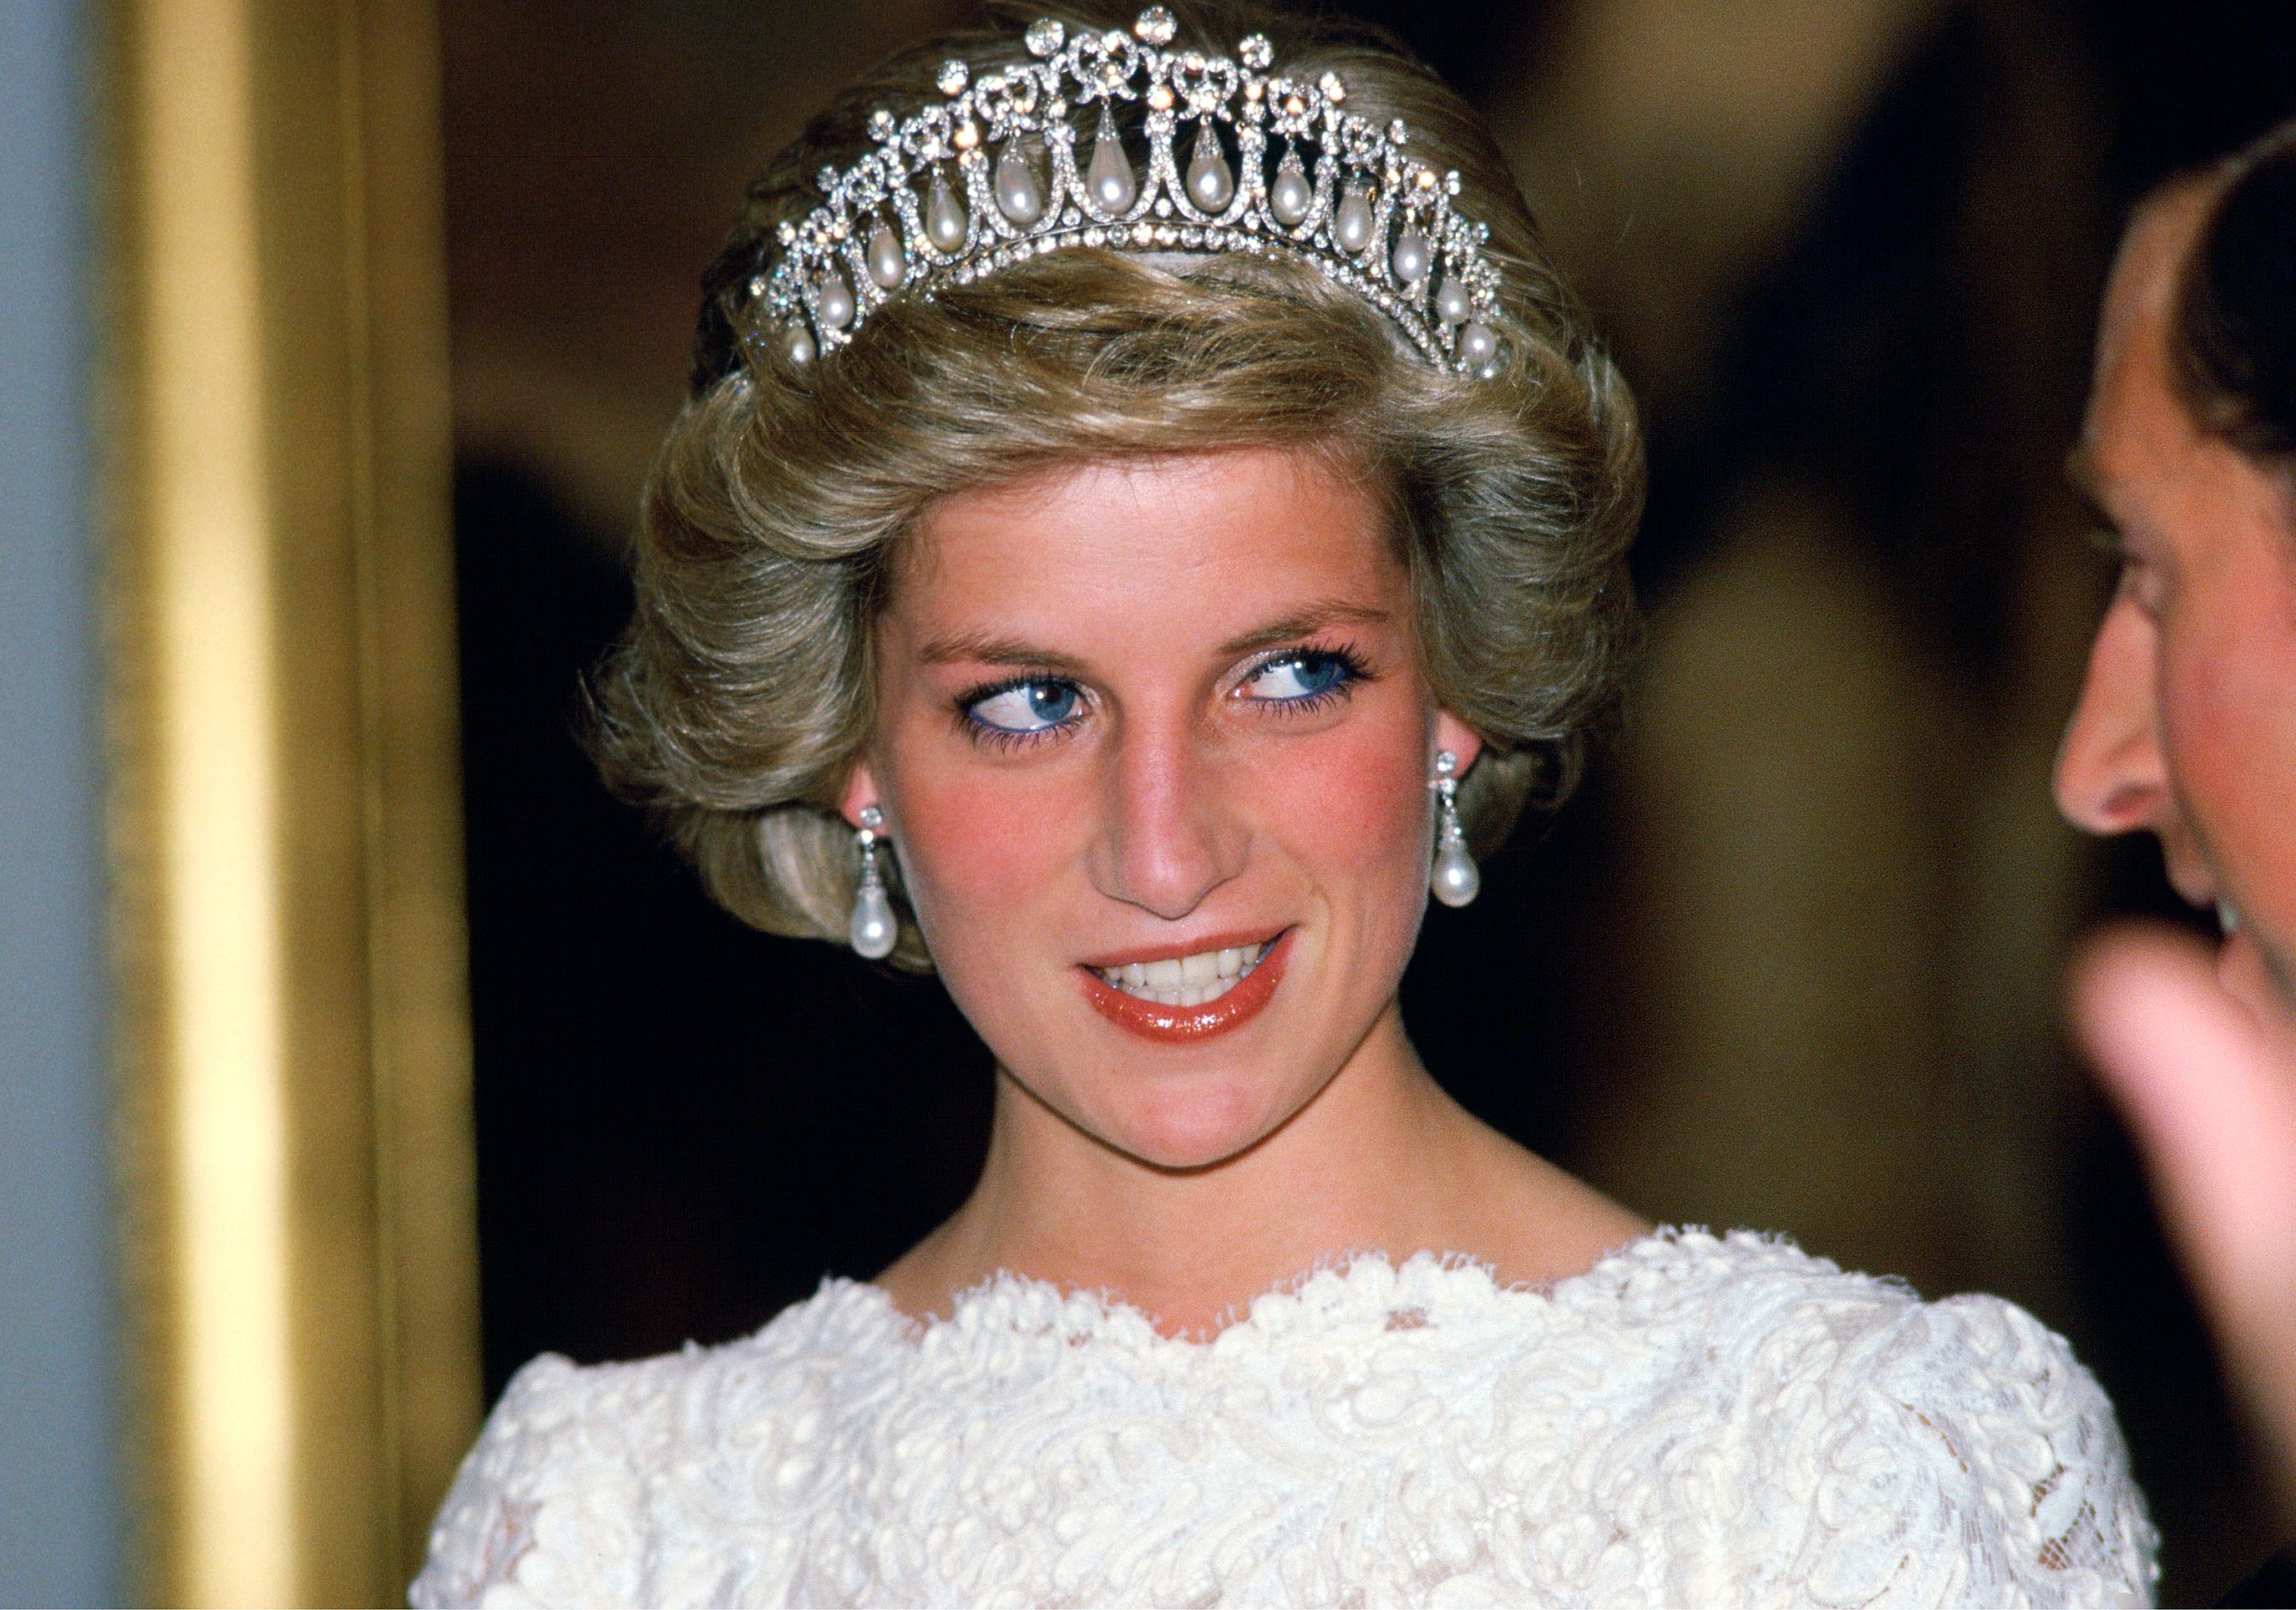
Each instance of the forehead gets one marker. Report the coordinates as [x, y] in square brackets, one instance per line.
[2133, 408]
[1186, 538]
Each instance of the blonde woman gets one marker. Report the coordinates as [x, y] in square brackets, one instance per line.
[1147, 514]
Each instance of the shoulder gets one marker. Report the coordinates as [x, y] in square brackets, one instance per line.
[558, 1446]
[579, 1468]
[1925, 1452]
[2022, 1441]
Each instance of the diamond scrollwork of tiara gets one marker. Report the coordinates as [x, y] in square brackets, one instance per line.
[954, 193]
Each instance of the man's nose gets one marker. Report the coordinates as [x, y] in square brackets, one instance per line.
[1171, 837]
[2112, 777]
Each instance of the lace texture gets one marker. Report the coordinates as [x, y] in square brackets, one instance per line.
[1698, 1420]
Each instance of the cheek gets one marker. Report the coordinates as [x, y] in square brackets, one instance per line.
[2228, 723]
[978, 842]
[1351, 808]
[1348, 808]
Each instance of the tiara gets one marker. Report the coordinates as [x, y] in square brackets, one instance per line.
[929, 206]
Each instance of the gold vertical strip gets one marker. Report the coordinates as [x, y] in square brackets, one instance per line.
[215, 822]
[427, 1188]
[287, 786]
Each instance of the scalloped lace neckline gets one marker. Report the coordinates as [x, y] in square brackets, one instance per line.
[1349, 1288]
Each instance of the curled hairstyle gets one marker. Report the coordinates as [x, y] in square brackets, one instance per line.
[2233, 342]
[742, 693]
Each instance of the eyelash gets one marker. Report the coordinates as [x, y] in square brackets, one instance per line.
[1345, 656]
[1006, 738]
[1352, 672]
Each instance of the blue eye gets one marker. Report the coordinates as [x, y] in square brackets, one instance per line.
[1302, 676]
[1025, 707]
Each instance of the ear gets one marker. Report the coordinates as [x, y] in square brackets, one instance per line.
[1456, 735]
[860, 790]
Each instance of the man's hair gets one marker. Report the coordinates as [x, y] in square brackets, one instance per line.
[2233, 342]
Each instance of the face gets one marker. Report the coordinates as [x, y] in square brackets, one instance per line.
[2186, 724]
[1153, 748]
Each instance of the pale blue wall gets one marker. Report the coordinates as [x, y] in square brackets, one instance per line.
[59, 1507]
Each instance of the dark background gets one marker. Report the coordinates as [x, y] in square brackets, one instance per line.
[1791, 959]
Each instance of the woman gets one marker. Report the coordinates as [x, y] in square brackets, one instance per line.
[1147, 511]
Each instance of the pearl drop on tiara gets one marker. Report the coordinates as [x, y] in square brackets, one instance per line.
[929, 206]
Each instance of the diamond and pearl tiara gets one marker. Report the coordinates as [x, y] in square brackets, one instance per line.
[930, 207]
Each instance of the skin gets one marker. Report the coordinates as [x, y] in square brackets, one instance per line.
[2186, 724]
[1175, 610]
[2209, 1088]
[2187, 729]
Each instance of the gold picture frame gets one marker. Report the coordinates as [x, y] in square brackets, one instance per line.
[294, 1045]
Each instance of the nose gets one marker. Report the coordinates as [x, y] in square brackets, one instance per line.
[1171, 837]
[2112, 777]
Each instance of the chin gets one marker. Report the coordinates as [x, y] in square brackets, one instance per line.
[1194, 1129]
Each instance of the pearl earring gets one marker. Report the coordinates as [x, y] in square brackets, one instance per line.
[1456, 879]
[873, 930]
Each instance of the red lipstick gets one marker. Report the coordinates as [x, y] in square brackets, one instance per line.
[1185, 1024]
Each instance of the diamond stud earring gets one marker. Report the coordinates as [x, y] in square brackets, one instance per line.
[1455, 879]
[873, 929]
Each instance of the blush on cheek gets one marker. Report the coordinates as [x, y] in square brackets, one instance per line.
[1358, 799]
[981, 870]
[1351, 810]
[981, 853]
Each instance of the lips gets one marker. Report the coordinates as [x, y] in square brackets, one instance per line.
[1185, 1024]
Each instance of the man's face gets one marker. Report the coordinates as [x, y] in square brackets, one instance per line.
[2186, 724]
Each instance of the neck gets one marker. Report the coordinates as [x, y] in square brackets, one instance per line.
[1380, 1159]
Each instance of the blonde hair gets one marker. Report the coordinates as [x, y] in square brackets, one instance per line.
[741, 694]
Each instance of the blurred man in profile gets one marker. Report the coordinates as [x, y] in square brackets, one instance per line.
[2186, 728]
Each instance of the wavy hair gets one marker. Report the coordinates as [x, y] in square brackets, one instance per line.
[741, 694]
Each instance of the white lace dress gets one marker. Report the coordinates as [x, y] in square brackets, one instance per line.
[1697, 1420]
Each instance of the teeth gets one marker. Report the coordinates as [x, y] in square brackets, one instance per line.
[2227, 917]
[1186, 980]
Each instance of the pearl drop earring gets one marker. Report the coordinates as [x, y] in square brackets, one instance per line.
[1455, 879]
[873, 930]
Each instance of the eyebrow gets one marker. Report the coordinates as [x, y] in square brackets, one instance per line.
[971, 648]
[974, 648]
[2080, 471]
[1303, 623]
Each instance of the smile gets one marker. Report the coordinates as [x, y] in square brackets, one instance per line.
[1186, 980]
[1179, 999]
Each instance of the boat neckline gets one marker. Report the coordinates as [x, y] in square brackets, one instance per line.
[1335, 1284]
